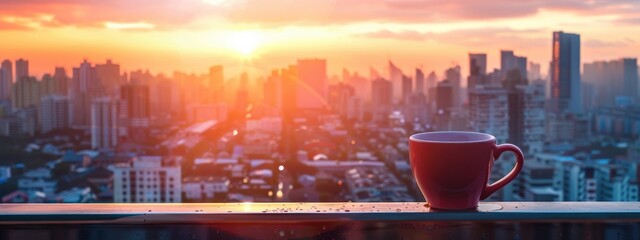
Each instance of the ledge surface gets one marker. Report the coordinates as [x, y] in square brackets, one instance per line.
[313, 212]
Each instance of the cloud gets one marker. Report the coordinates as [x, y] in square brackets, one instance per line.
[466, 37]
[593, 43]
[167, 14]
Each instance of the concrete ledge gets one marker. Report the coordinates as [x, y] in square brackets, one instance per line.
[186, 213]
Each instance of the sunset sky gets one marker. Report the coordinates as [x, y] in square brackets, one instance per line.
[190, 35]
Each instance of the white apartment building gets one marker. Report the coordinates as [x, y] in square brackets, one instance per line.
[147, 180]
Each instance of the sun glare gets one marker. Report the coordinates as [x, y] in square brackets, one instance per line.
[245, 42]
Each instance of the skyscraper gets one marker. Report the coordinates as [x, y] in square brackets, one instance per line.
[611, 80]
[488, 111]
[22, 69]
[216, 83]
[84, 87]
[108, 76]
[454, 78]
[26, 92]
[419, 81]
[272, 89]
[6, 80]
[382, 97]
[339, 96]
[61, 78]
[565, 73]
[104, 126]
[477, 69]
[509, 61]
[395, 76]
[54, 113]
[135, 112]
[312, 83]
[407, 87]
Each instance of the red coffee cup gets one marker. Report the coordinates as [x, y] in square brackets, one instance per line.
[452, 168]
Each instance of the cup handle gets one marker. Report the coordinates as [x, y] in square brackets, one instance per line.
[492, 188]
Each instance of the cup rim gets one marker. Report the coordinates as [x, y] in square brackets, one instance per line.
[486, 137]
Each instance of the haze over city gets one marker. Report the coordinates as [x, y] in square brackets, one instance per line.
[169, 35]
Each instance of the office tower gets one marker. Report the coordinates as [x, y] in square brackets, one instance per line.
[339, 96]
[6, 80]
[289, 81]
[534, 72]
[312, 83]
[444, 98]
[382, 98]
[526, 116]
[509, 61]
[611, 81]
[419, 81]
[430, 87]
[54, 113]
[488, 111]
[407, 87]
[134, 115]
[108, 76]
[242, 95]
[22, 69]
[272, 90]
[453, 76]
[362, 85]
[26, 92]
[27, 120]
[477, 69]
[415, 110]
[148, 179]
[104, 127]
[84, 88]
[565, 73]
[62, 81]
[216, 84]
[395, 76]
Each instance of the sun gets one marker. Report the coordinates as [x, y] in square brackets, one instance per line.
[245, 42]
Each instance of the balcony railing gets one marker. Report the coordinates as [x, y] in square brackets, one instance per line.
[503, 220]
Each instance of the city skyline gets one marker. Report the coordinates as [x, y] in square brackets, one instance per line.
[189, 36]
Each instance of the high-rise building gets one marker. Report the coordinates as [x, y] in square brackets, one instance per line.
[339, 97]
[395, 76]
[565, 73]
[527, 117]
[382, 98]
[216, 83]
[430, 87]
[407, 87]
[272, 89]
[312, 83]
[62, 81]
[477, 69]
[612, 80]
[488, 111]
[148, 179]
[54, 113]
[454, 77]
[6, 80]
[419, 81]
[134, 111]
[108, 76]
[534, 72]
[84, 88]
[22, 69]
[509, 61]
[104, 127]
[26, 92]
